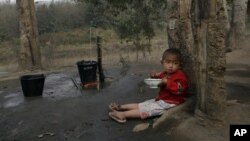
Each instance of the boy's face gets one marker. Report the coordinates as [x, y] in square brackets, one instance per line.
[171, 63]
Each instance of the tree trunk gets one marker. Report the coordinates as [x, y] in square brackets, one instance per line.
[29, 55]
[179, 29]
[237, 33]
[201, 38]
[211, 61]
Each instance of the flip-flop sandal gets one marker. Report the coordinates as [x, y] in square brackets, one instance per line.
[116, 118]
[114, 106]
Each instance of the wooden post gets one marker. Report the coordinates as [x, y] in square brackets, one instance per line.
[99, 60]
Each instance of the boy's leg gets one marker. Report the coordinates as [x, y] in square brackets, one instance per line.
[151, 108]
[124, 107]
[131, 106]
[135, 113]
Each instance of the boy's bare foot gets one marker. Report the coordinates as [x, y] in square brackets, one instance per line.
[115, 106]
[117, 117]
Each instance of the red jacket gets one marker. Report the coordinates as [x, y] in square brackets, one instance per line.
[175, 89]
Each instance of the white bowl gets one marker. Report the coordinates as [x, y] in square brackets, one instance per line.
[152, 82]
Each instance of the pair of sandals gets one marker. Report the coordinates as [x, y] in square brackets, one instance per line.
[115, 107]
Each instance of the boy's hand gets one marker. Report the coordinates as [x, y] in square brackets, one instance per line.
[164, 81]
[154, 74]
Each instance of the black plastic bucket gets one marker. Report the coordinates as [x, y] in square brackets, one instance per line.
[32, 85]
[87, 71]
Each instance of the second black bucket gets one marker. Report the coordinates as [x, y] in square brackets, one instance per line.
[87, 71]
[32, 85]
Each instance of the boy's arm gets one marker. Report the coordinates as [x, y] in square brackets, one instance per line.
[177, 87]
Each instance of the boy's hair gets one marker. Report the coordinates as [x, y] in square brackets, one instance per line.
[173, 51]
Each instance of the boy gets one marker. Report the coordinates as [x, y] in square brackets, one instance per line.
[173, 88]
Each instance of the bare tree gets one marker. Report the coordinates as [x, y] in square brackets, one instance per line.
[197, 27]
[29, 55]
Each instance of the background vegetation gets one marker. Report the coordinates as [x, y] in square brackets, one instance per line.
[67, 32]
[68, 29]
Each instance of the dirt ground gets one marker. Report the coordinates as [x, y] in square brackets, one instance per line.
[67, 113]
